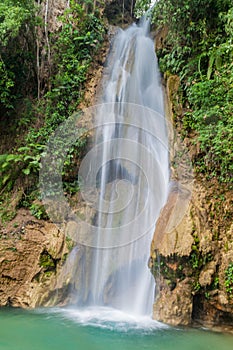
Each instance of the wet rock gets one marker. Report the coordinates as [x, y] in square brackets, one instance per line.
[192, 248]
[174, 307]
[25, 277]
[206, 275]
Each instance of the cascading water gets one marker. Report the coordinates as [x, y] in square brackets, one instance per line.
[130, 154]
[124, 181]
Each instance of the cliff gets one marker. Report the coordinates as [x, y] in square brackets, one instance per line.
[192, 249]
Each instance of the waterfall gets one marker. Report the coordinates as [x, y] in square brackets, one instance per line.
[124, 180]
[129, 167]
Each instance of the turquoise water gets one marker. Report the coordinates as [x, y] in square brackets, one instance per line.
[88, 330]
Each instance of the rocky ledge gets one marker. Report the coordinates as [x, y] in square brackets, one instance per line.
[31, 254]
[192, 249]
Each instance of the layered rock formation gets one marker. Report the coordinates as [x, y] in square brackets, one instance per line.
[32, 253]
[192, 249]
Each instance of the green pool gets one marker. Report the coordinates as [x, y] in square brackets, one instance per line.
[98, 329]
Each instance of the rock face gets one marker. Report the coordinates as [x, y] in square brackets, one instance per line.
[174, 308]
[192, 253]
[31, 256]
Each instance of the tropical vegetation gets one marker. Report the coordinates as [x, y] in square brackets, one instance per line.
[198, 48]
[42, 77]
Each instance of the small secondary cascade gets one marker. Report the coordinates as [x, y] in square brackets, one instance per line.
[132, 182]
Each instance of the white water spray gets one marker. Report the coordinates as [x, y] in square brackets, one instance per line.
[131, 156]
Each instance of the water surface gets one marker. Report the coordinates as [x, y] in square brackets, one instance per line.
[99, 329]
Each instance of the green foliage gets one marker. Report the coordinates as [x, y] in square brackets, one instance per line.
[229, 279]
[13, 14]
[212, 117]
[46, 261]
[141, 7]
[9, 167]
[72, 50]
[80, 37]
[69, 243]
[7, 212]
[216, 282]
[195, 260]
[15, 17]
[6, 83]
[26, 160]
[198, 260]
[199, 48]
[196, 286]
[38, 211]
[229, 22]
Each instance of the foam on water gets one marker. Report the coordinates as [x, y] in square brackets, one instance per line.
[107, 318]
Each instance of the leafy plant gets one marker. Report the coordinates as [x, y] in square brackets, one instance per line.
[72, 51]
[15, 18]
[47, 262]
[199, 48]
[229, 279]
[38, 211]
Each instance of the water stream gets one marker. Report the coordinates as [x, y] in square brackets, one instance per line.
[59, 330]
[129, 164]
